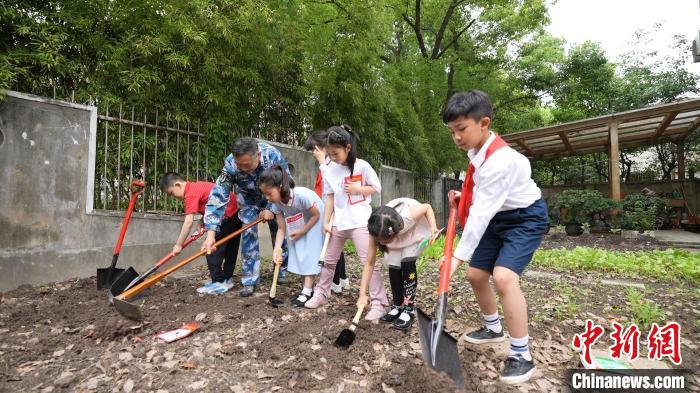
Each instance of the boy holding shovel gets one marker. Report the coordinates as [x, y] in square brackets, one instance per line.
[221, 262]
[504, 219]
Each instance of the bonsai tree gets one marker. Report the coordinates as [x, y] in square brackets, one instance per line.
[642, 212]
[584, 206]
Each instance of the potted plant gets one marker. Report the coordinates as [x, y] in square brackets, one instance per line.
[579, 207]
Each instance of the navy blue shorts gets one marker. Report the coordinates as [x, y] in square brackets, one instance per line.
[511, 238]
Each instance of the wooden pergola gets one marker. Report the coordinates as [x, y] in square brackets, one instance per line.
[610, 133]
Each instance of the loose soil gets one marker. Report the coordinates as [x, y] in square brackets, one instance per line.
[67, 337]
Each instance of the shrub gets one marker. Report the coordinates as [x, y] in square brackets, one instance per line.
[582, 206]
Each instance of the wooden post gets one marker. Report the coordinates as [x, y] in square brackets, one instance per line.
[680, 157]
[614, 158]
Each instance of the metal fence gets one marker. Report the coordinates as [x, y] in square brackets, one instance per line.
[139, 145]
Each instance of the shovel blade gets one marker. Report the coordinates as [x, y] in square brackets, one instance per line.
[345, 339]
[128, 310]
[446, 358]
[107, 276]
[275, 302]
[123, 280]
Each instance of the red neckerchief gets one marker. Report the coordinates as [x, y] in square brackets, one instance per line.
[465, 200]
[318, 186]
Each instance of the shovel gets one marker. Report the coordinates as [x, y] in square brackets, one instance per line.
[347, 336]
[106, 276]
[439, 348]
[132, 311]
[130, 277]
[273, 290]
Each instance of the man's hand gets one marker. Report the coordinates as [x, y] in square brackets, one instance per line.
[362, 300]
[455, 264]
[353, 188]
[177, 249]
[328, 228]
[320, 155]
[208, 244]
[277, 256]
[266, 215]
[453, 197]
[295, 235]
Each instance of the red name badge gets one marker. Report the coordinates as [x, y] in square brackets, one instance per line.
[355, 180]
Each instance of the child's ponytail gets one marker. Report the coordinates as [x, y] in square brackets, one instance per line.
[384, 224]
[343, 136]
[276, 176]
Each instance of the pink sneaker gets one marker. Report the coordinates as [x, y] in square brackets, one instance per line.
[316, 301]
[375, 313]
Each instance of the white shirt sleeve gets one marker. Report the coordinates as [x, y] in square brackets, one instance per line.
[371, 178]
[494, 182]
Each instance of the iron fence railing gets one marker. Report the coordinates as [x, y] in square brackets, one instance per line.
[138, 145]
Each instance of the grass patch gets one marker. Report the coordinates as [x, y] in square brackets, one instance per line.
[644, 312]
[568, 308]
[671, 264]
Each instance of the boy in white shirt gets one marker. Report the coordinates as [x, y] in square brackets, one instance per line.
[504, 219]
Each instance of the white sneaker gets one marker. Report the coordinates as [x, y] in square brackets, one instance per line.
[337, 288]
[345, 282]
[221, 287]
[206, 287]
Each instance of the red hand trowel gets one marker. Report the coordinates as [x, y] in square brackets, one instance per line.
[439, 348]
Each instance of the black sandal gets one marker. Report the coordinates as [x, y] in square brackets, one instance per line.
[391, 315]
[301, 300]
[403, 323]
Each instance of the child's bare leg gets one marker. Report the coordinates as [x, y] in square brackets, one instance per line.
[513, 301]
[515, 310]
[479, 280]
[492, 331]
[309, 282]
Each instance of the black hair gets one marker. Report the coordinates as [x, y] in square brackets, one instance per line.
[245, 145]
[342, 136]
[278, 177]
[169, 179]
[319, 138]
[474, 104]
[384, 223]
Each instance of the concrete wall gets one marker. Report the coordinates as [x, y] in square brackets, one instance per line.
[305, 165]
[396, 183]
[49, 230]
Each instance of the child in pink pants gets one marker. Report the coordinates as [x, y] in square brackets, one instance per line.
[349, 183]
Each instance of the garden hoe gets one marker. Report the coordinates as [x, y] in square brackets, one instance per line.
[106, 276]
[130, 277]
[347, 336]
[439, 348]
[132, 311]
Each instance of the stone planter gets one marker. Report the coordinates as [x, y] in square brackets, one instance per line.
[629, 233]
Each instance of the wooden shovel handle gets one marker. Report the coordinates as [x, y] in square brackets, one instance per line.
[273, 290]
[358, 314]
[151, 281]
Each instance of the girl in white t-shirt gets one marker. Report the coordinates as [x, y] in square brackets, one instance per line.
[401, 229]
[349, 183]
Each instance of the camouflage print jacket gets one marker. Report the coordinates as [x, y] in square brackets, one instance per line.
[247, 191]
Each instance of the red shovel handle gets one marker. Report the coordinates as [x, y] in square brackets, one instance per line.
[187, 242]
[444, 284]
[137, 187]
